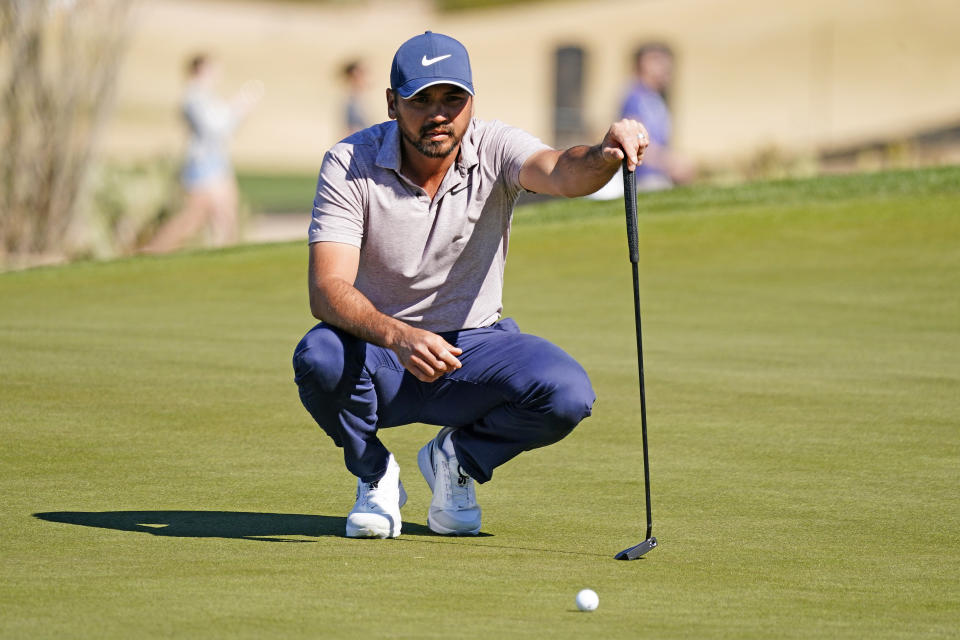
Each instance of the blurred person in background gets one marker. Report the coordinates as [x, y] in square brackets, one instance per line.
[354, 116]
[207, 175]
[646, 101]
[653, 73]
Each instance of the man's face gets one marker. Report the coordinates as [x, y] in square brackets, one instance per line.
[655, 68]
[434, 120]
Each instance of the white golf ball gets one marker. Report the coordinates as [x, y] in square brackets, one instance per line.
[587, 600]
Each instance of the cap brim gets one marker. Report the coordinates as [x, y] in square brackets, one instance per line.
[414, 87]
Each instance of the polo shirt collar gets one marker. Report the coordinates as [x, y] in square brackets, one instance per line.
[388, 156]
[468, 152]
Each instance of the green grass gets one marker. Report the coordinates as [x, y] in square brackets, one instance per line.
[803, 376]
[277, 192]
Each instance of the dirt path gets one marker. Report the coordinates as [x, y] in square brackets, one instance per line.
[276, 227]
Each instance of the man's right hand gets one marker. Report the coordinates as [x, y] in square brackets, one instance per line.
[424, 354]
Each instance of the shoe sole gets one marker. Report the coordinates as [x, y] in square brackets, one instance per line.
[424, 461]
[372, 531]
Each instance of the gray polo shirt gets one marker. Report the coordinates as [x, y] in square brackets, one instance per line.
[437, 265]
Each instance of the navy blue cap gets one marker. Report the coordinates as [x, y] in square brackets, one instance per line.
[429, 59]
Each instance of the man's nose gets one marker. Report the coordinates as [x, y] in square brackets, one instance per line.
[438, 113]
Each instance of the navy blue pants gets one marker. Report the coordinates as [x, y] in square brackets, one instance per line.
[514, 392]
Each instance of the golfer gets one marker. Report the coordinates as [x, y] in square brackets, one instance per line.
[408, 241]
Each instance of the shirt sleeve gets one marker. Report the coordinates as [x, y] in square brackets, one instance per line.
[338, 206]
[514, 147]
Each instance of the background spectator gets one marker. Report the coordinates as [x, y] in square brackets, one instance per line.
[355, 77]
[207, 175]
[646, 101]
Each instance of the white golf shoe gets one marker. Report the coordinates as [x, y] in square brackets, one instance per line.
[376, 513]
[454, 509]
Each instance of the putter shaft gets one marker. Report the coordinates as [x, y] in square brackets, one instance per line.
[633, 241]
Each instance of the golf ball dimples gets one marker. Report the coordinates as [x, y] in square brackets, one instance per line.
[587, 600]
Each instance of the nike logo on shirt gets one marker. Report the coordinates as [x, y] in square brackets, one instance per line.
[429, 61]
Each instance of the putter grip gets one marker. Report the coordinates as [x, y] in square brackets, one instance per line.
[630, 203]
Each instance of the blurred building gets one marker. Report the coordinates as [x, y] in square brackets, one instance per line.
[798, 76]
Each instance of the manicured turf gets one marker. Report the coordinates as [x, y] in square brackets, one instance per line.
[161, 479]
[277, 193]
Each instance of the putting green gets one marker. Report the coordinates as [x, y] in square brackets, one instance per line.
[161, 479]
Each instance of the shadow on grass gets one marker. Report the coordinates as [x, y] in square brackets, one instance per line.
[265, 527]
[216, 524]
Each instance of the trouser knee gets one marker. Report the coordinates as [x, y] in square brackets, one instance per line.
[568, 399]
[574, 402]
[321, 360]
[328, 365]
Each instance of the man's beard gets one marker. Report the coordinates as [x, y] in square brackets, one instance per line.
[429, 148]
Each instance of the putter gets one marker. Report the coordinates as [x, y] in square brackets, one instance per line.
[630, 203]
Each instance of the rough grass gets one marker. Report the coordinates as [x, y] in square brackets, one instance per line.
[160, 477]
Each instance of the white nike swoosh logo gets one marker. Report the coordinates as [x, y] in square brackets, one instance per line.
[429, 61]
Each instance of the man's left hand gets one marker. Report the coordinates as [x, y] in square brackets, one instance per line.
[625, 139]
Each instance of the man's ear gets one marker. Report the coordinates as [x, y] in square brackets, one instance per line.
[391, 105]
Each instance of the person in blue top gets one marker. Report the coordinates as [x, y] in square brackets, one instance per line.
[354, 116]
[653, 73]
[645, 101]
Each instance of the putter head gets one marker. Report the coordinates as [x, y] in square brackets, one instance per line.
[638, 550]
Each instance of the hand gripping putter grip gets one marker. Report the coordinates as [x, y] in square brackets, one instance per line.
[630, 203]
